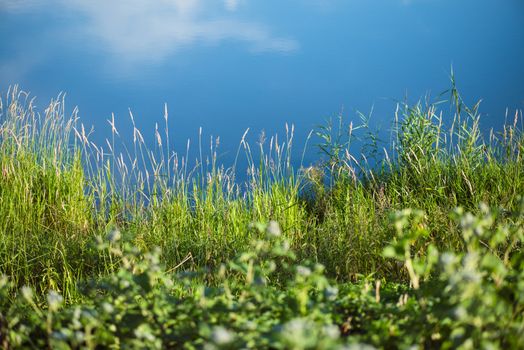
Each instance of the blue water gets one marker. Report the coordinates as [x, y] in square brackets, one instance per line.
[235, 64]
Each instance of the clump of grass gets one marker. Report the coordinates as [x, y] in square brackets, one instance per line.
[45, 212]
[59, 190]
[432, 163]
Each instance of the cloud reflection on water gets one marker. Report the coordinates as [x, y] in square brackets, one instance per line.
[144, 30]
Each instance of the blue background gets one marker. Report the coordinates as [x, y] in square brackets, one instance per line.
[229, 65]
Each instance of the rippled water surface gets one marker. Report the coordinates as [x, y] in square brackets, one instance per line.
[233, 64]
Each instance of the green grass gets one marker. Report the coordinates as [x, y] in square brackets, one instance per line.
[59, 191]
[385, 214]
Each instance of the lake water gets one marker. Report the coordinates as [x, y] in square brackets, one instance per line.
[230, 65]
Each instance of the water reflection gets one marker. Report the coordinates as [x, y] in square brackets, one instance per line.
[229, 65]
[144, 30]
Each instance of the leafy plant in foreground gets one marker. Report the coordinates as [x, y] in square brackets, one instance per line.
[472, 299]
[265, 298]
[142, 306]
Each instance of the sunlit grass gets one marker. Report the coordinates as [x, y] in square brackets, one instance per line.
[59, 190]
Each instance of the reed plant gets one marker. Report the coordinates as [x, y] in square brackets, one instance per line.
[59, 190]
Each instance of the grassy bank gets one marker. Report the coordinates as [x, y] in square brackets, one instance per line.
[59, 192]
